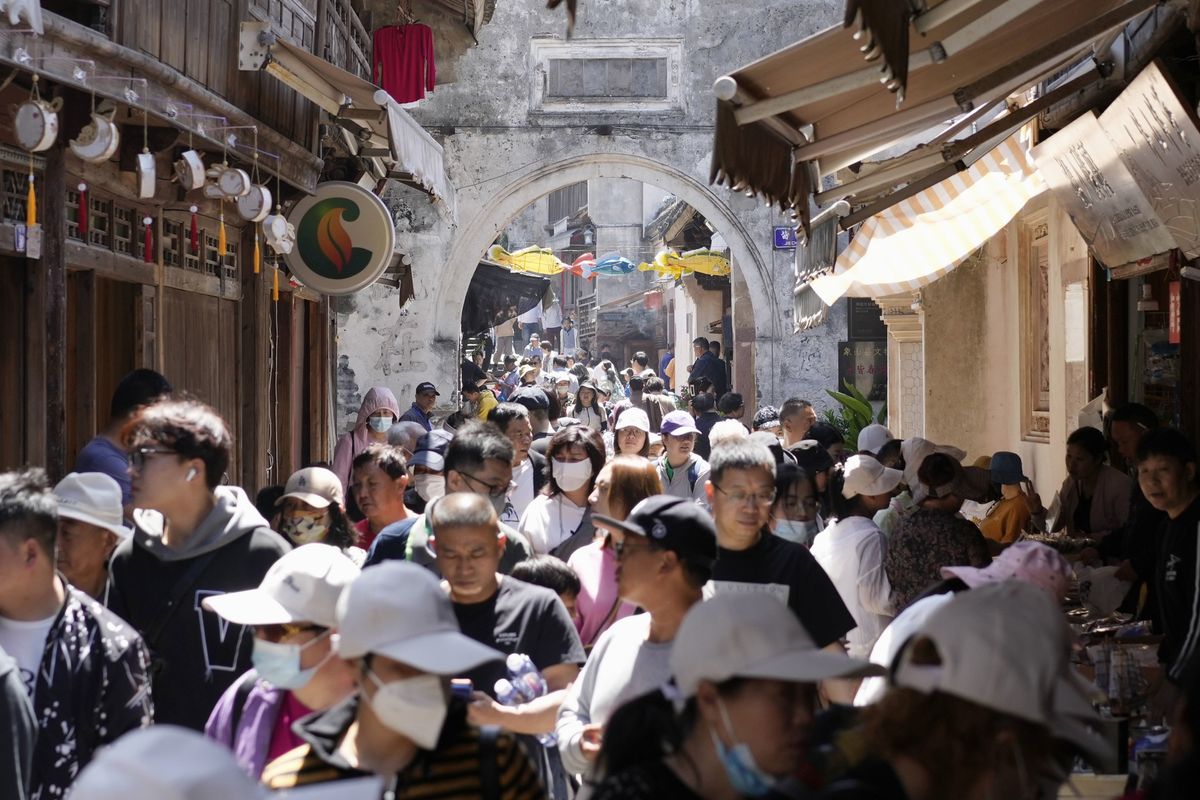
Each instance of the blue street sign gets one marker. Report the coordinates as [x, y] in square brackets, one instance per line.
[785, 237]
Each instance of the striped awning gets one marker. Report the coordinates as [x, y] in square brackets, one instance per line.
[918, 240]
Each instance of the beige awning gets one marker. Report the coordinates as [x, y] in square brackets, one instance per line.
[380, 129]
[789, 119]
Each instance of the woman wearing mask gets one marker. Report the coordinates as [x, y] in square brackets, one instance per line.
[378, 411]
[1095, 497]
[587, 408]
[295, 669]
[740, 711]
[622, 484]
[794, 516]
[312, 511]
[576, 456]
[631, 435]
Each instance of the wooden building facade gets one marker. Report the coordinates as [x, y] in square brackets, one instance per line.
[95, 303]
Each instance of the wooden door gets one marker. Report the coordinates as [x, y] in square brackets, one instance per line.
[12, 356]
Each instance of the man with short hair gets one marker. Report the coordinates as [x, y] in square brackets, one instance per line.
[405, 435]
[89, 529]
[537, 403]
[569, 338]
[105, 452]
[510, 378]
[510, 616]
[708, 366]
[703, 409]
[533, 349]
[640, 363]
[741, 489]
[478, 460]
[529, 467]
[378, 478]
[795, 419]
[731, 406]
[396, 627]
[683, 473]
[479, 400]
[87, 671]
[665, 552]
[421, 410]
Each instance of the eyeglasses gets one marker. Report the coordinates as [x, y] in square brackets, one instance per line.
[622, 547]
[758, 499]
[137, 456]
[286, 630]
[492, 489]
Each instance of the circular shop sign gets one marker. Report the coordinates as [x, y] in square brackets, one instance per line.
[344, 238]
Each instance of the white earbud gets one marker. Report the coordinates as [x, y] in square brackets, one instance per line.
[191, 474]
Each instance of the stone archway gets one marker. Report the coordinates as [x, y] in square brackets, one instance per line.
[477, 233]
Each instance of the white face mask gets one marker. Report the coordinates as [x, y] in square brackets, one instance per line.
[572, 475]
[795, 530]
[414, 707]
[430, 487]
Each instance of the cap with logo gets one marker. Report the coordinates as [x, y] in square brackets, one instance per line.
[425, 387]
[399, 610]
[752, 635]
[302, 586]
[678, 423]
[316, 486]
[673, 523]
[865, 475]
[431, 450]
[94, 498]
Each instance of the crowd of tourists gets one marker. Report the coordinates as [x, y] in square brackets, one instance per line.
[578, 584]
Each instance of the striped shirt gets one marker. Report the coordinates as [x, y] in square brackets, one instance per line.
[452, 770]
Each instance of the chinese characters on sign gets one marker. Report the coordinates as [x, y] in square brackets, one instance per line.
[785, 237]
[1173, 312]
[863, 365]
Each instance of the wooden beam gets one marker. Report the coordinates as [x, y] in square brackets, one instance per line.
[54, 265]
[82, 334]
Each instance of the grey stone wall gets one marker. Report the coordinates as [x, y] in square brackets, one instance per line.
[503, 155]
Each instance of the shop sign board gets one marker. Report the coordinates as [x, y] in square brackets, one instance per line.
[863, 365]
[1087, 176]
[345, 238]
[1158, 137]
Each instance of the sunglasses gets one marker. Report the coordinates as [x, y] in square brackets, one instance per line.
[138, 456]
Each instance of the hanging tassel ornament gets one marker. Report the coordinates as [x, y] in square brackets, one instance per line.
[257, 254]
[31, 204]
[221, 242]
[83, 212]
[195, 231]
[275, 284]
[148, 241]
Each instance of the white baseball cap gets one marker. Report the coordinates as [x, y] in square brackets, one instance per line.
[302, 586]
[399, 610]
[1005, 646]
[865, 475]
[316, 486]
[752, 635]
[94, 498]
[165, 762]
[634, 418]
[873, 437]
[916, 450]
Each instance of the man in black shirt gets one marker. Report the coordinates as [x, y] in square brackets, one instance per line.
[506, 614]
[741, 491]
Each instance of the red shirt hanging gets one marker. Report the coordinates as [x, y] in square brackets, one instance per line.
[402, 61]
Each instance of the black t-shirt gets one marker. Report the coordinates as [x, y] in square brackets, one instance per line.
[787, 570]
[652, 780]
[519, 618]
[1177, 575]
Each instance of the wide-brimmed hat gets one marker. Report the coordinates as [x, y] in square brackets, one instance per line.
[94, 498]
[865, 475]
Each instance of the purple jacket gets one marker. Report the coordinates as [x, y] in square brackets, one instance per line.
[252, 738]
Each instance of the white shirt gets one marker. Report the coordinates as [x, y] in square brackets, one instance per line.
[25, 641]
[552, 317]
[548, 521]
[532, 315]
[522, 494]
[852, 552]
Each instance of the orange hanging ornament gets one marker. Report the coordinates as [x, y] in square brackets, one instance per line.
[222, 249]
[31, 205]
[275, 285]
[257, 255]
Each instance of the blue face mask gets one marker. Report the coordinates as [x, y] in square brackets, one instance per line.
[380, 424]
[279, 664]
[745, 776]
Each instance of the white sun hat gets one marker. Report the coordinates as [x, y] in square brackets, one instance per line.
[94, 498]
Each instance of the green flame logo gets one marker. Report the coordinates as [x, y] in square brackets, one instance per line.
[324, 242]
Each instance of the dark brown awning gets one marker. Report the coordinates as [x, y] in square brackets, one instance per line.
[787, 120]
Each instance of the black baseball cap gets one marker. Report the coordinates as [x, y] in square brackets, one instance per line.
[811, 456]
[532, 397]
[426, 386]
[673, 523]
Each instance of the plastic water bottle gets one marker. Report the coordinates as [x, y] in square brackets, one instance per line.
[524, 683]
